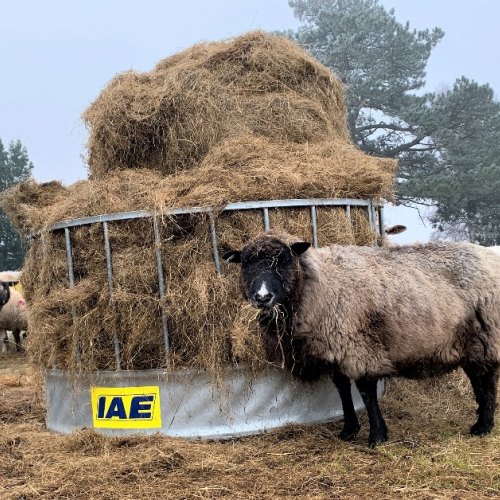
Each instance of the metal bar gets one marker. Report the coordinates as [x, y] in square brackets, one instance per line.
[381, 220]
[348, 213]
[374, 216]
[71, 276]
[370, 216]
[244, 205]
[109, 266]
[161, 284]
[43, 242]
[69, 258]
[215, 250]
[99, 219]
[265, 214]
[314, 226]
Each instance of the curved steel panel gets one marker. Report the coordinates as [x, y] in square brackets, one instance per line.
[192, 408]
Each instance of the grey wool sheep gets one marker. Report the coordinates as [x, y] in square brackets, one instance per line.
[365, 313]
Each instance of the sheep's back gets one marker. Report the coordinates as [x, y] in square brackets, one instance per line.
[378, 308]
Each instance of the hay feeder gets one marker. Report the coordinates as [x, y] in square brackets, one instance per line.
[184, 402]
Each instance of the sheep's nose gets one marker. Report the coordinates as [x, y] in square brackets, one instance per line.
[264, 299]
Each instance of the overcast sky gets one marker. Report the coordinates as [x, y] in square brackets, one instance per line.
[57, 55]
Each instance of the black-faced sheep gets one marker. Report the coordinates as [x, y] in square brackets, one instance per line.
[365, 313]
[4, 294]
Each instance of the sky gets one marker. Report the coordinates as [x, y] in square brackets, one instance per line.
[57, 55]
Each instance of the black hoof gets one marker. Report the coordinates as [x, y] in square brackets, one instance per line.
[349, 434]
[377, 438]
[481, 429]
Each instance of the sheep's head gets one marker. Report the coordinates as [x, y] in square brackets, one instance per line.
[269, 267]
[4, 294]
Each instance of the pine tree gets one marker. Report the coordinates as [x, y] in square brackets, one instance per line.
[15, 167]
[447, 144]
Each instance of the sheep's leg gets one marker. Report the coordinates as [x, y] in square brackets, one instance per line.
[17, 339]
[378, 429]
[484, 381]
[5, 341]
[351, 424]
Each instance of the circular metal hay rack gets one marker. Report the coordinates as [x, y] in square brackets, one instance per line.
[186, 400]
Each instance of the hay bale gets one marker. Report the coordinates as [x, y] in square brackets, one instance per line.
[255, 168]
[23, 203]
[168, 119]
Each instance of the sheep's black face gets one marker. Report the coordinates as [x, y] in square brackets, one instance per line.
[268, 270]
[4, 294]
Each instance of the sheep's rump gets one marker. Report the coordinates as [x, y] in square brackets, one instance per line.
[415, 310]
[13, 315]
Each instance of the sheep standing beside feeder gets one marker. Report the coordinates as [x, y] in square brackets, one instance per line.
[13, 318]
[366, 313]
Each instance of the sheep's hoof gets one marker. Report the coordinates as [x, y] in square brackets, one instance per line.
[349, 433]
[377, 438]
[481, 429]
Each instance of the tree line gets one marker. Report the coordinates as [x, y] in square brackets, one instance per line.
[15, 167]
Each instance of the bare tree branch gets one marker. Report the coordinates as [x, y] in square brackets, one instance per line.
[387, 126]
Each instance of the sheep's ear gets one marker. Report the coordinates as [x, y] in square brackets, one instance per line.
[397, 229]
[300, 247]
[233, 256]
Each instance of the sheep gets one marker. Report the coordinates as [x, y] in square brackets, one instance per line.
[396, 229]
[13, 318]
[4, 294]
[366, 313]
[391, 231]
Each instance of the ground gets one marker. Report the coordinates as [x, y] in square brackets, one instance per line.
[429, 454]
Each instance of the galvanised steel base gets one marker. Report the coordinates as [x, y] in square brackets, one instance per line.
[192, 408]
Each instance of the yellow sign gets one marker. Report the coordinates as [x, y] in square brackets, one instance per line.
[126, 407]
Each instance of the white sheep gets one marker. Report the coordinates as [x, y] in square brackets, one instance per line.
[13, 318]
